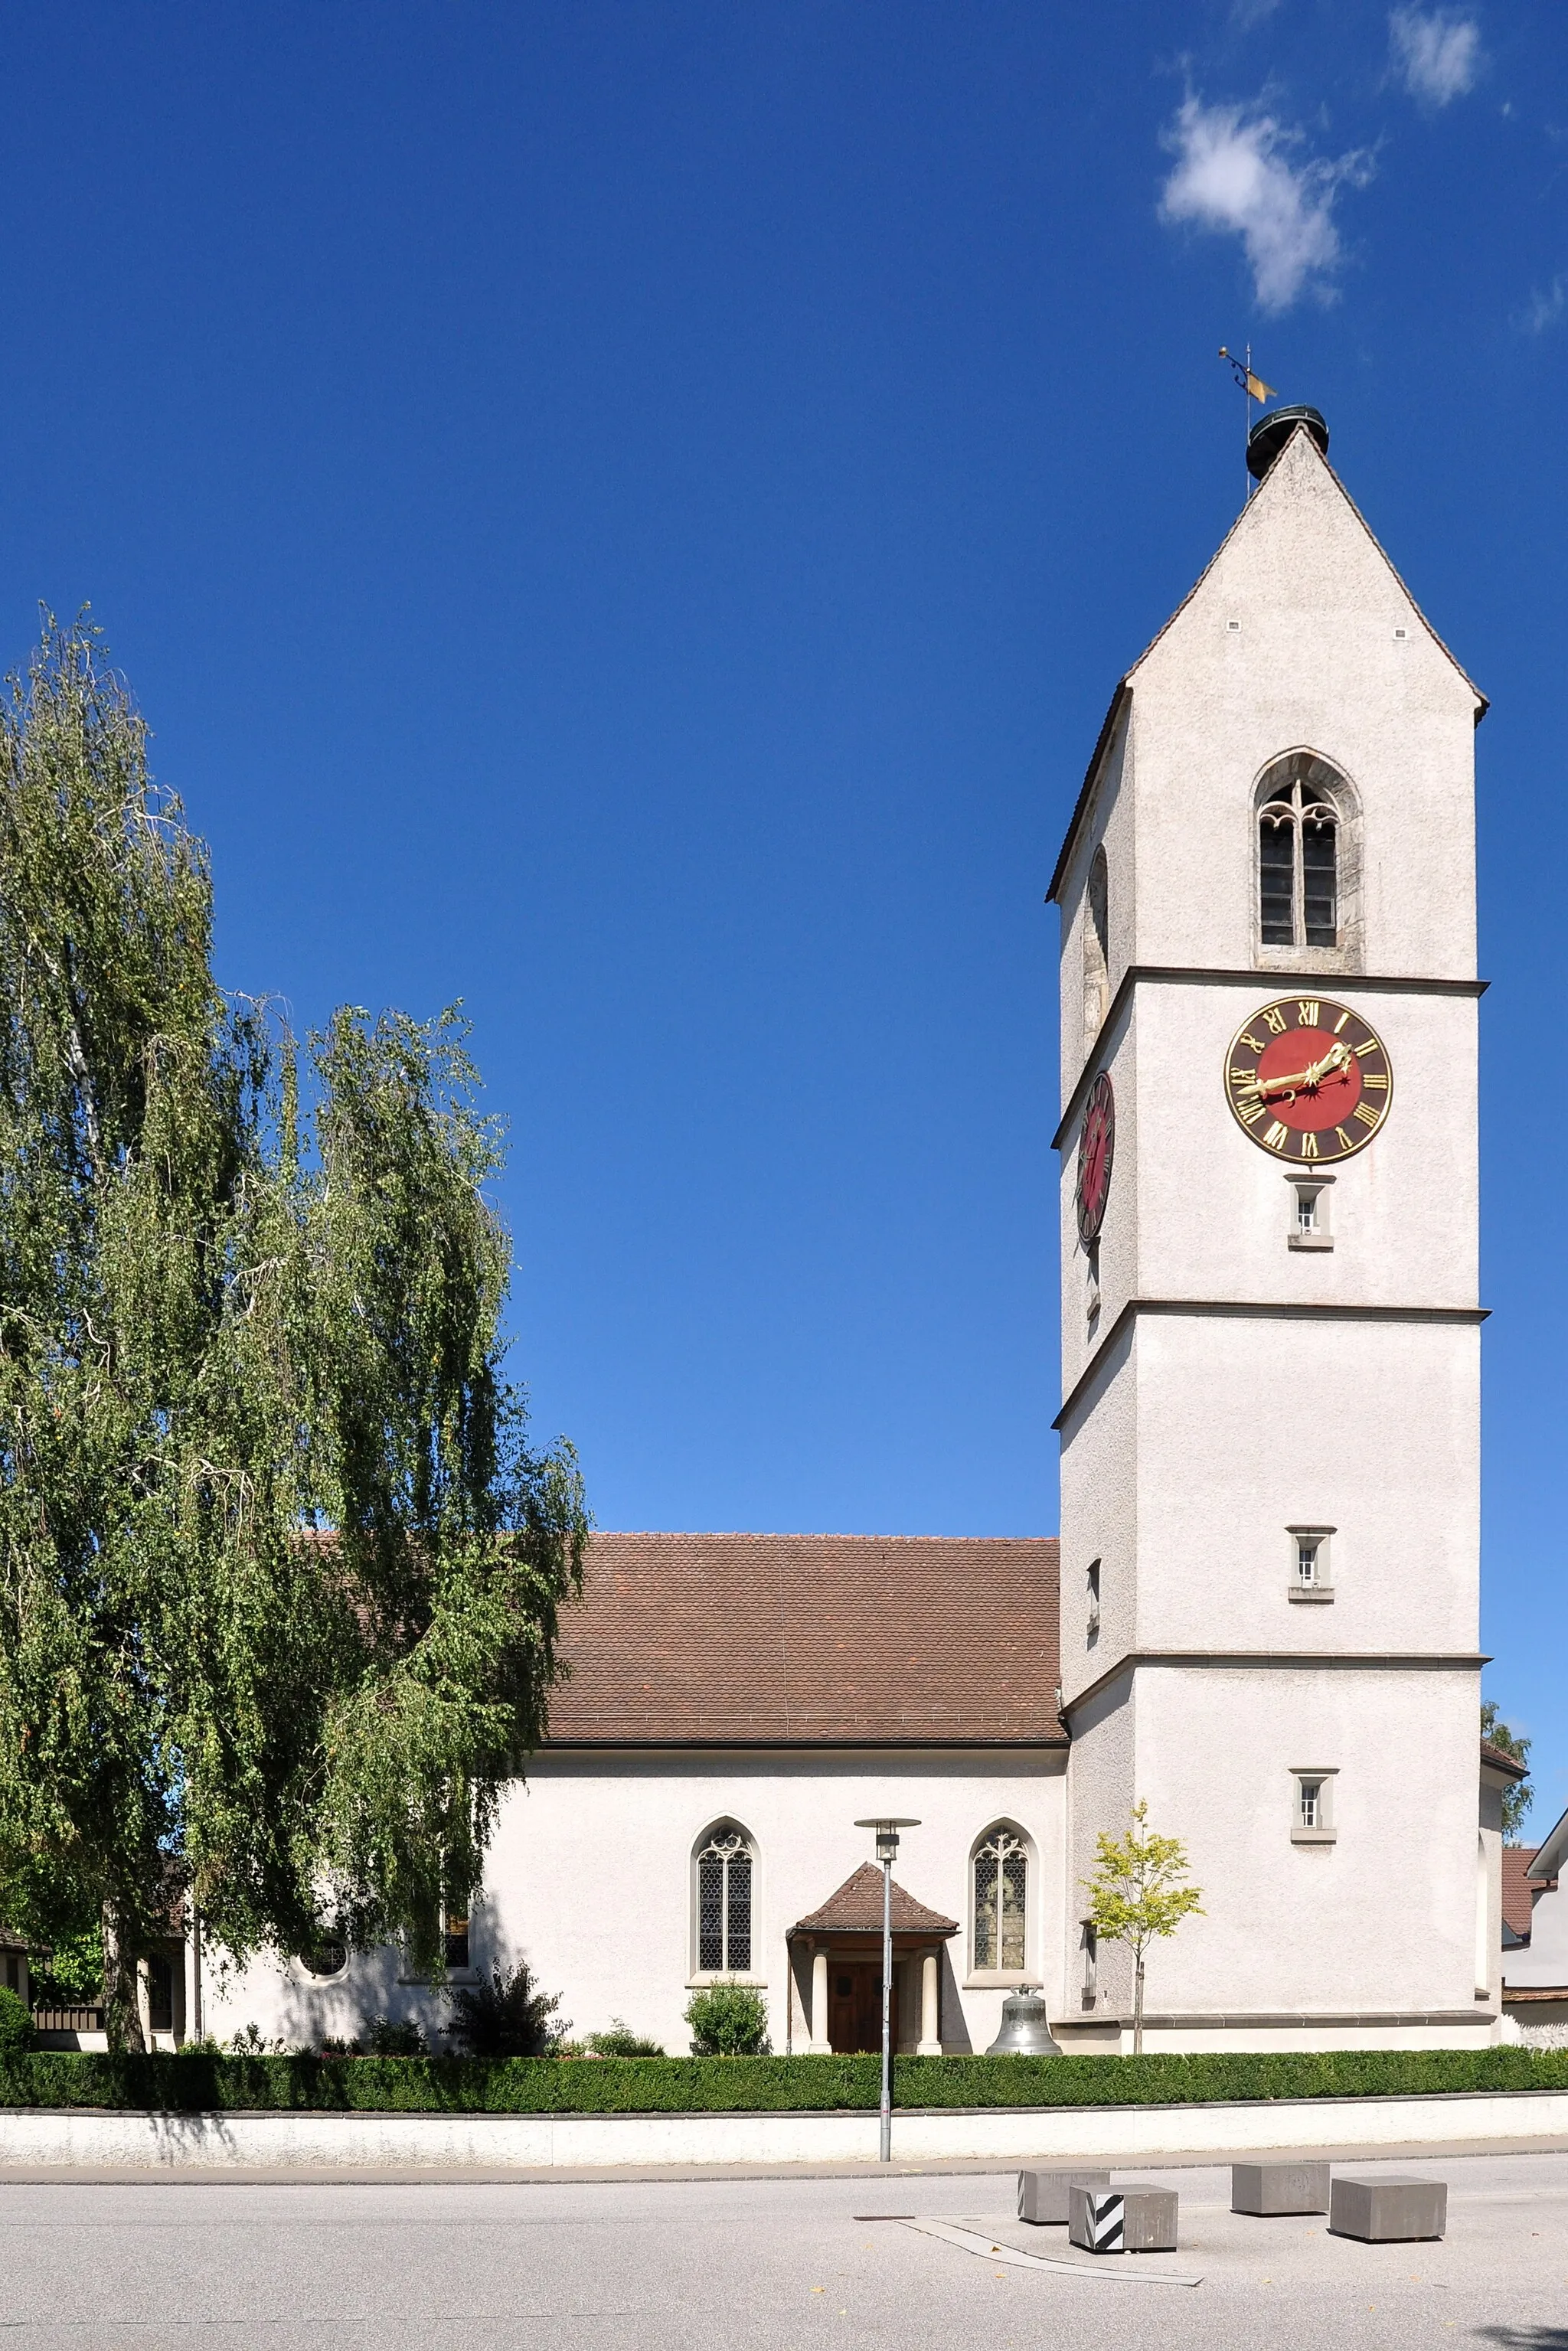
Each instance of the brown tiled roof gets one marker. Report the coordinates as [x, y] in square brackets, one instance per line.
[856, 1909]
[1519, 1995]
[1516, 1901]
[737, 1639]
[1500, 1761]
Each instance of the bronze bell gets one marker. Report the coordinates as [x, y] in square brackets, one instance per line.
[1026, 2029]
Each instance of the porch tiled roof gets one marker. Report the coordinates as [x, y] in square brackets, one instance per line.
[720, 1639]
[856, 1909]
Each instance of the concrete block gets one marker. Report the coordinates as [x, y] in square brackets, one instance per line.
[1389, 2210]
[1043, 2195]
[1135, 2219]
[1267, 2188]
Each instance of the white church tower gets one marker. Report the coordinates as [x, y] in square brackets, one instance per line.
[1269, 1319]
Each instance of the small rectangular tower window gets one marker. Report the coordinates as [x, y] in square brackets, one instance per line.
[1312, 1576]
[1309, 1228]
[1312, 1805]
[1093, 1602]
[1092, 1283]
[1090, 1990]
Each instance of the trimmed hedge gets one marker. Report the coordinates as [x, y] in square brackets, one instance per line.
[632, 2085]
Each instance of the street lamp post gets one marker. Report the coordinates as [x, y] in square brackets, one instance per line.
[888, 1852]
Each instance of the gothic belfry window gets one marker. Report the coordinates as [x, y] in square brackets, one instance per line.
[1303, 819]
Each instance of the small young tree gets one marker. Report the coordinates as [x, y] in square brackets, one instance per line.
[1137, 1894]
[1516, 1799]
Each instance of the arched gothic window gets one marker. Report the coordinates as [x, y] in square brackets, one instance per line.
[723, 1874]
[1001, 1900]
[1096, 947]
[1303, 809]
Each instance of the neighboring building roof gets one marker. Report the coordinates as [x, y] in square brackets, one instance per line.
[856, 1909]
[1517, 1902]
[812, 1640]
[1550, 1855]
[1508, 1765]
[1517, 1995]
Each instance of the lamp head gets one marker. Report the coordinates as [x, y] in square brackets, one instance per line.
[887, 1830]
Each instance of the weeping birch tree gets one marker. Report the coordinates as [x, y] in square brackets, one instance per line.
[279, 1572]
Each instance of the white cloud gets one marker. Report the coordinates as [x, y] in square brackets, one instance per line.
[1545, 310]
[1437, 56]
[1235, 174]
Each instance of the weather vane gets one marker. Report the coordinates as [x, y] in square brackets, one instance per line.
[1254, 387]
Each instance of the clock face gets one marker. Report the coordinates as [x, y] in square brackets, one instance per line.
[1308, 1080]
[1096, 1149]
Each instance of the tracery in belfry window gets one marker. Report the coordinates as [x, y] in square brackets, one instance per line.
[1303, 814]
[724, 1875]
[1001, 1898]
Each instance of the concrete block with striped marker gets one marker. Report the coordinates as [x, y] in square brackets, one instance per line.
[1135, 2219]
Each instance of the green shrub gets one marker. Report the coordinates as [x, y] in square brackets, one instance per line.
[304, 2082]
[389, 2036]
[15, 2021]
[728, 2019]
[618, 2040]
[507, 2017]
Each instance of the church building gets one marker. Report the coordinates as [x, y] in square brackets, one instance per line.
[1262, 1619]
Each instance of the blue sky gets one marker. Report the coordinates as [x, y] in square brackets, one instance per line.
[631, 515]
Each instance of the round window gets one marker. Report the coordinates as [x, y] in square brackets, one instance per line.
[326, 1958]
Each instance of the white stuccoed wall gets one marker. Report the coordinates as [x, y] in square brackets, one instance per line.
[590, 1878]
[1199, 1436]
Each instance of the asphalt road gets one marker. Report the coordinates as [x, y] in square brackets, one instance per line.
[759, 2265]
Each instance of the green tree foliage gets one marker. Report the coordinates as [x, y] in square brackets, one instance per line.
[1137, 1895]
[1516, 1798]
[728, 2019]
[279, 1573]
[507, 2017]
[16, 2032]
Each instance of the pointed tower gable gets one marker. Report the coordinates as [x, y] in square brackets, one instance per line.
[1302, 536]
[1300, 637]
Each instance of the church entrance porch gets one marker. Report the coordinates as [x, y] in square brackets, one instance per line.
[844, 1942]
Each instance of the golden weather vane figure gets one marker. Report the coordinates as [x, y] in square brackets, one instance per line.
[1255, 389]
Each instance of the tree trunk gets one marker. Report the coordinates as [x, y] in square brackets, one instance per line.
[1138, 2008]
[121, 2008]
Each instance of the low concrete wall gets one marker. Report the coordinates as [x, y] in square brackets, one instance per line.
[97, 2139]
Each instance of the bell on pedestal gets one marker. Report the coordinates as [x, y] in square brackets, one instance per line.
[1026, 2031]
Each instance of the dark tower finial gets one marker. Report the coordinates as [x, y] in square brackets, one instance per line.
[1269, 435]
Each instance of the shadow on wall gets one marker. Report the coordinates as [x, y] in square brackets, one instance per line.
[955, 2041]
[288, 2003]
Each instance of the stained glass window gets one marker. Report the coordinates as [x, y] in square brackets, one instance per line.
[1001, 1894]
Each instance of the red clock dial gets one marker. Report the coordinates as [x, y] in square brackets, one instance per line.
[1308, 1080]
[1096, 1150]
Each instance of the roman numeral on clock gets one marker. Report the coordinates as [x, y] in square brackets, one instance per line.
[1367, 1117]
[1307, 1015]
[1275, 1019]
[1277, 1135]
